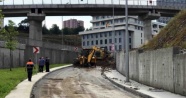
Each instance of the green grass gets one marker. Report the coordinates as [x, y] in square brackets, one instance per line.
[10, 79]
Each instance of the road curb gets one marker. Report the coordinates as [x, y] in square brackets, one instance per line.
[31, 94]
[128, 89]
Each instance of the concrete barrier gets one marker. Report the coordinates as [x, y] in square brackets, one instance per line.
[162, 68]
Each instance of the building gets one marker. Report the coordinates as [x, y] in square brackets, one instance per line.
[170, 3]
[102, 34]
[156, 27]
[73, 23]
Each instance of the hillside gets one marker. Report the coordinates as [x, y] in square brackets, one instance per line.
[173, 34]
[74, 40]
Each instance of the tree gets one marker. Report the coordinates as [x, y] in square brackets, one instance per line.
[24, 26]
[45, 30]
[9, 35]
[55, 30]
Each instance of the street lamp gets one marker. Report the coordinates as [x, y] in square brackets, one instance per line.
[113, 47]
[126, 42]
[62, 31]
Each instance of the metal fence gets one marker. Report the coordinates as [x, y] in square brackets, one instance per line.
[49, 44]
[161, 3]
[118, 2]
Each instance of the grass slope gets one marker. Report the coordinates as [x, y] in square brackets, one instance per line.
[10, 79]
[173, 34]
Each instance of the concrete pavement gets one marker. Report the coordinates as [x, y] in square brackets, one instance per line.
[24, 88]
[137, 88]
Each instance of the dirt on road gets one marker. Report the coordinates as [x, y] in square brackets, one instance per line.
[78, 83]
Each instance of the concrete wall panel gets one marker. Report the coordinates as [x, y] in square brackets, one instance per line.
[133, 65]
[15, 58]
[154, 68]
[180, 74]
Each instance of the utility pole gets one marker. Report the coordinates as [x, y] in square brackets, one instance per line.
[126, 42]
[62, 31]
[113, 30]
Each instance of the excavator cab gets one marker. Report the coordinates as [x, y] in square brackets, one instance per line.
[89, 57]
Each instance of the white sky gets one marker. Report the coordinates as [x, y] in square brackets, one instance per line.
[50, 20]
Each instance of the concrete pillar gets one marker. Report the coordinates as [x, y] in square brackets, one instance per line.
[35, 28]
[147, 30]
[146, 18]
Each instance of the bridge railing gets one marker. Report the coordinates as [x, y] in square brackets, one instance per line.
[160, 3]
[116, 2]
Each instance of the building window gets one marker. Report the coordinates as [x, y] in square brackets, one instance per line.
[97, 24]
[130, 33]
[105, 34]
[83, 36]
[100, 34]
[141, 35]
[136, 27]
[115, 40]
[115, 47]
[101, 42]
[110, 48]
[97, 17]
[110, 41]
[92, 42]
[119, 32]
[120, 47]
[83, 43]
[103, 23]
[91, 35]
[105, 41]
[116, 21]
[141, 41]
[130, 47]
[96, 35]
[130, 40]
[119, 40]
[96, 42]
[110, 33]
[121, 20]
[87, 43]
[87, 36]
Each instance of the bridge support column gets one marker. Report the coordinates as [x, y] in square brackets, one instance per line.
[35, 28]
[151, 15]
[147, 30]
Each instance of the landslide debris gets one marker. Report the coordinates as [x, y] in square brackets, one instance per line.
[172, 35]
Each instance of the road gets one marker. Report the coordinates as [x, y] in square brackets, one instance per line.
[77, 83]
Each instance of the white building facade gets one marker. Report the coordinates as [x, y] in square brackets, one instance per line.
[104, 34]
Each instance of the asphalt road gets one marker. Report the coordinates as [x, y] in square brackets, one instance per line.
[77, 83]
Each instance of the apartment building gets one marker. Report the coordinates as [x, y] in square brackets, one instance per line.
[103, 34]
[72, 23]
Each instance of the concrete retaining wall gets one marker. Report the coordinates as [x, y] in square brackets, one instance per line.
[163, 68]
[18, 56]
[24, 52]
[56, 56]
[180, 74]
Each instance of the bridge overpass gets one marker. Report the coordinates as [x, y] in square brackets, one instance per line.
[36, 12]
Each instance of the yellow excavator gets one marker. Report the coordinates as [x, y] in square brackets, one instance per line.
[89, 57]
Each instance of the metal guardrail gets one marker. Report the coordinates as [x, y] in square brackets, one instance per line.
[116, 2]
[48, 44]
[173, 4]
